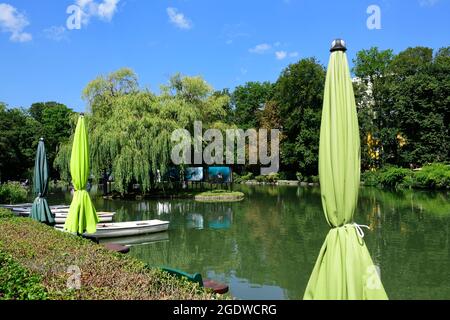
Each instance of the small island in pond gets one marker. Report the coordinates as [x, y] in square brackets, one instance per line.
[219, 196]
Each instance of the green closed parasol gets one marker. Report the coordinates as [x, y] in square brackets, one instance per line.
[82, 215]
[344, 269]
[40, 211]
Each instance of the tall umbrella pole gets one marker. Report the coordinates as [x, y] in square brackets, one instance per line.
[82, 214]
[344, 269]
[40, 211]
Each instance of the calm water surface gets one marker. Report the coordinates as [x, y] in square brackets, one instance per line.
[265, 246]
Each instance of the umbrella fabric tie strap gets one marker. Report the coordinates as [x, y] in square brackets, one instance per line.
[82, 214]
[39, 197]
[358, 228]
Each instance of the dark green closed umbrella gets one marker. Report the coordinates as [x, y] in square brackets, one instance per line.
[40, 211]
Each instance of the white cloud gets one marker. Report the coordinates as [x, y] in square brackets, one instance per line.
[56, 33]
[293, 54]
[14, 22]
[428, 3]
[105, 10]
[178, 19]
[260, 48]
[281, 55]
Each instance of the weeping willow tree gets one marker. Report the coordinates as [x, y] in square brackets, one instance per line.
[130, 129]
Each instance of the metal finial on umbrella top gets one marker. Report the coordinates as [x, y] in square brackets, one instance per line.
[338, 45]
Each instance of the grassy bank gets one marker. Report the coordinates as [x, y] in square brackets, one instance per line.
[35, 262]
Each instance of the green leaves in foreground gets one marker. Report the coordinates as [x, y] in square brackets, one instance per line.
[16, 283]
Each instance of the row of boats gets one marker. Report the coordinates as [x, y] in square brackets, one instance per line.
[106, 228]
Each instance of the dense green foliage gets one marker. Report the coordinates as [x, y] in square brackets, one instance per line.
[130, 129]
[16, 283]
[248, 101]
[12, 193]
[35, 261]
[5, 213]
[19, 135]
[404, 104]
[432, 176]
[403, 108]
[299, 92]
[20, 131]
[55, 124]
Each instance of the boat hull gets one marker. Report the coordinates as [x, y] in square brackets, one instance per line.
[61, 219]
[126, 229]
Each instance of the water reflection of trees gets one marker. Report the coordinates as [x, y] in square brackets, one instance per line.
[275, 234]
[415, 252]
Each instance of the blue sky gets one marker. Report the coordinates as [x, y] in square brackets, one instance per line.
[228, 42]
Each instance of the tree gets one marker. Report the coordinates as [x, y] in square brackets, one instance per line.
[54, 120]
[101, 92]
[404, 104]
[270, 117]
[130, 130]
[419, 93]
[372, 68]
[248, 101]
[299, 94]
[372, 64]
[19, 135]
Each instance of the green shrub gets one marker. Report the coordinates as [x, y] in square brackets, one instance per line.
[393, 177]
[219, 191]
[271, 178]
[370, 178]
[434, 176]
[248, 176]
[299, 176]
[240, 179]
[47, 253]
[12, 192]
[16, 283]
[261, 178]
[315, 179]
[283, 176]
[5, 213]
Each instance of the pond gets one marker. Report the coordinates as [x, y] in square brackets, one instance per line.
[265, 246]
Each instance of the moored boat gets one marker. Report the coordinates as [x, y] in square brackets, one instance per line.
[126, 229]
[61, 215]
[60, 218]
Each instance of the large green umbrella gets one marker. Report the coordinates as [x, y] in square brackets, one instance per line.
[82, 215]
[344, 268]
[40, 211]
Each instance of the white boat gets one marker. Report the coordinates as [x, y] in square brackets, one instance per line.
[60, 218]
[126, 229]
[138, 240]
[27, 206]
[12, 206]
